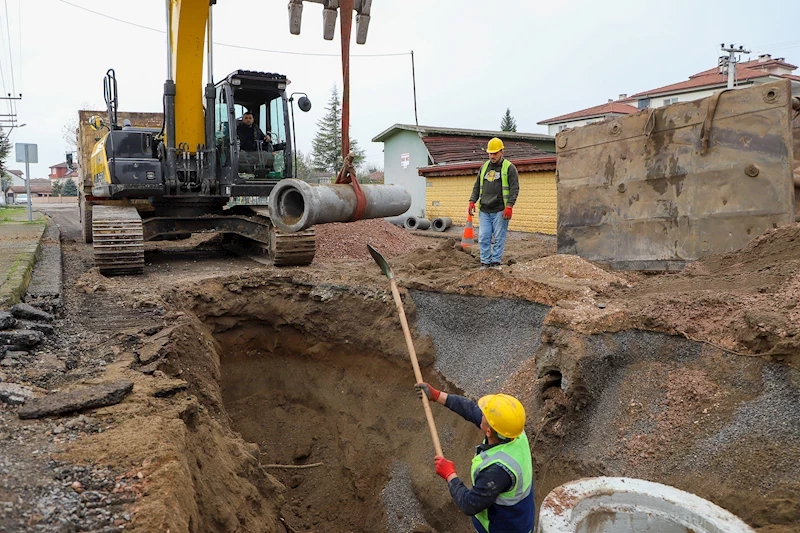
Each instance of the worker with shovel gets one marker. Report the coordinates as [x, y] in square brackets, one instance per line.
[501, 498]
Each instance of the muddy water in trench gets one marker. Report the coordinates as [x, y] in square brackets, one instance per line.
[354, 412]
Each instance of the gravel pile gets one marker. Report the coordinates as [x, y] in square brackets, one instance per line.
[480, 342]
[403, 510]
[348, 241]
[771, 417]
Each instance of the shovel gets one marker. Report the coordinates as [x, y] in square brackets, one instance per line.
[387, 270]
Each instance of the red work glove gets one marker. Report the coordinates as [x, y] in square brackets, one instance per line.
[430, 392]
[471, 209]
[444, 467]
[507, 213]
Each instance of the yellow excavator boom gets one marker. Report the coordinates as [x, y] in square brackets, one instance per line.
[187, 39]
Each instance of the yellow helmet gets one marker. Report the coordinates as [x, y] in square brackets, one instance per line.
[495, 145]
[504, 414]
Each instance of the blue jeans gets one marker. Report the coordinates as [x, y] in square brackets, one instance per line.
[493, 227]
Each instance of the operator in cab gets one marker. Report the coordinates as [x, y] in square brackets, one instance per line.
[256, 151]
[248, 134]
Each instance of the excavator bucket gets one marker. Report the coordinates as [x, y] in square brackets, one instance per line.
[329, 14]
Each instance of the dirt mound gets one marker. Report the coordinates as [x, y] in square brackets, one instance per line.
[745, 301]
[571, 269]
[769, 251]
[348, 242]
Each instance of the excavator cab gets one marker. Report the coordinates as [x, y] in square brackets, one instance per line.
[252, 161]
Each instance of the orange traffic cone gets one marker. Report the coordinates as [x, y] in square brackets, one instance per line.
[468, 239]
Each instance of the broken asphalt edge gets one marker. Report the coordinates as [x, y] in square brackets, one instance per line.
[18, 276]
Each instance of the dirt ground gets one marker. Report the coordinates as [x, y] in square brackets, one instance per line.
[238, 366]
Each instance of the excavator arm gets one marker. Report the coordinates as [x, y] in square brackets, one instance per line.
[189, 24]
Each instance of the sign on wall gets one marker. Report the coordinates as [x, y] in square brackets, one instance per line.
[405, 160]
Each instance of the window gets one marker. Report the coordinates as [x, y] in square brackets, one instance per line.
[668, 101]
[221, 129]
[562, 127]
[644, 103]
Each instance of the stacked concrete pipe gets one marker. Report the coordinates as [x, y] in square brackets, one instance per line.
[442, 223]
[628, 505]
[414, 223]
[295, 205]
[398, 220]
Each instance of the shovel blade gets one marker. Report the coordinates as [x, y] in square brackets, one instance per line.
[381, 261]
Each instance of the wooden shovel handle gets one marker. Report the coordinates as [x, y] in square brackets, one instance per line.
[425, 404]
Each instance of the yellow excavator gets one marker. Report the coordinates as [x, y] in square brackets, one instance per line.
[149, 182]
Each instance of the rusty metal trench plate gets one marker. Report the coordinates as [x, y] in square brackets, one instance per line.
[645, 192]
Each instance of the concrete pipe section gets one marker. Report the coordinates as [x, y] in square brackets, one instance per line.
[442, 223]
[414, 223]
[295, 205]
[398, 220]
[627, 505]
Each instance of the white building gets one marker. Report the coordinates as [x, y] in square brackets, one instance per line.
[764, 69]
[597, 113]
[18, 177]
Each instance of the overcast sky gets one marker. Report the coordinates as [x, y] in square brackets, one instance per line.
[473, 59]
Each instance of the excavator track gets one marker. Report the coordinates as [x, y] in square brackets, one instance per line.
[284, 249]
[292, 249]
[118, 240]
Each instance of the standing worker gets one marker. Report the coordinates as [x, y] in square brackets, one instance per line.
[501, 498]
[496, 188]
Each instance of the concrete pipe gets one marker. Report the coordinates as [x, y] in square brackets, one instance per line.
[442, 223]
[628, 505]
[295, 205]
[398, 221]
[413, 223]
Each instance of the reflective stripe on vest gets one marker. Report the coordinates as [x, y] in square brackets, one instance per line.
[515, 456]
[503, 179]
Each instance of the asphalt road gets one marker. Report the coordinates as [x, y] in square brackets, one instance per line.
[66, 218]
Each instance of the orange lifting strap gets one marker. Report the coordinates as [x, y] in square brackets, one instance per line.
[348, 172]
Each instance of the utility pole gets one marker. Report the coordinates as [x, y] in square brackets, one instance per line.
[729, 62]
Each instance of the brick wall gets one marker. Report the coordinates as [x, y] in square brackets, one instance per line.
[534, 212]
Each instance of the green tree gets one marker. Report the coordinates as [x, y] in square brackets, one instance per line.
[57, 188]
[5, 178]
[508, 123]
[303, 170]
[326, 148]
[69, 189]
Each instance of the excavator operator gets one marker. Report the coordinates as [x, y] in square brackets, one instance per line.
[248, 133]
[255, 148]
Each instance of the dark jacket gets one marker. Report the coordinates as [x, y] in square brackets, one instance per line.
[492, 198]
[248, 135]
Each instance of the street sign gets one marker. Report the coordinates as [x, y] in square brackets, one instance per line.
[27, 153]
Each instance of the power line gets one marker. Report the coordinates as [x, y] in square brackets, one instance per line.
[19, 22]
[10, 50]
[227, 45]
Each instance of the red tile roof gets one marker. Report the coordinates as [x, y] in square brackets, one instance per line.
[596, 111]
[546, 162]
[748, 70]
[453, 149]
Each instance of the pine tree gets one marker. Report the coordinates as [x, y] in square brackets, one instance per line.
[57, 188]
[326, 148]
[69, 189]
[508, 123]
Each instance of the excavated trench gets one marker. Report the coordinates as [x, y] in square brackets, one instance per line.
[318, 377]
[349, 417]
